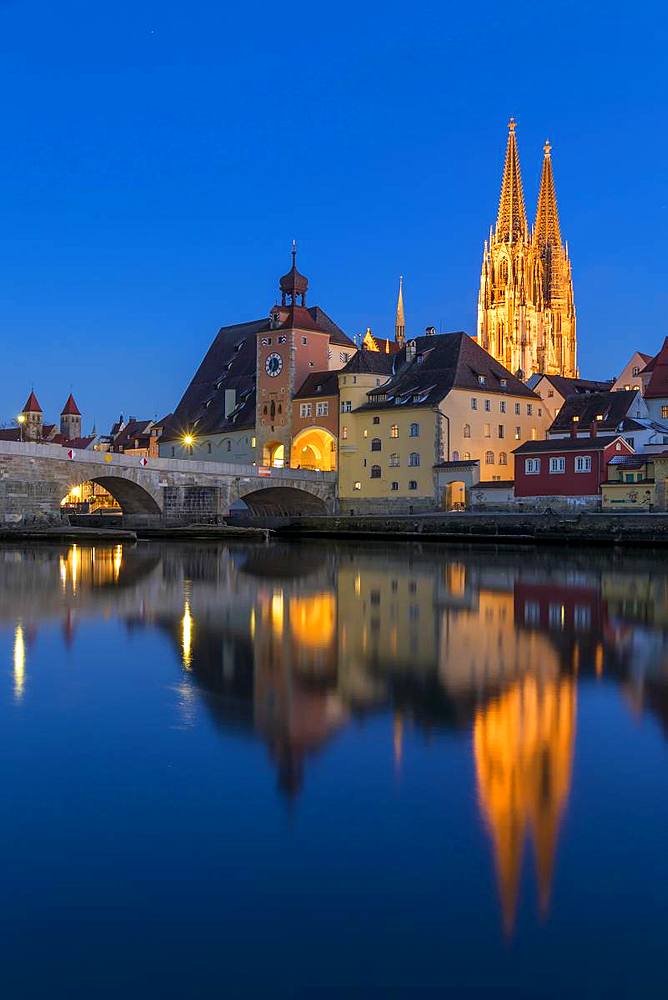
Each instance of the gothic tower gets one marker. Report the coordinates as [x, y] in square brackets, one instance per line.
[526, 313]
[70, 420]
[400, 322]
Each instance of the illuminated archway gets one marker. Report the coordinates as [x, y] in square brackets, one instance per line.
[109, 494]
[273, 454]
[455, 496]
[314, 448]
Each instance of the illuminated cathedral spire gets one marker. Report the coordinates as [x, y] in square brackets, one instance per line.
[400, 322]
[546, 230]
[511, 220]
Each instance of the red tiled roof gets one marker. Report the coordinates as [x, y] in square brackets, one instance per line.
[32, 406]
[70, 408]
[657, 387]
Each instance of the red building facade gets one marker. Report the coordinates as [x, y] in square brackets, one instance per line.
[565, 468]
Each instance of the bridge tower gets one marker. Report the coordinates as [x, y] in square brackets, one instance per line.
[289, 348]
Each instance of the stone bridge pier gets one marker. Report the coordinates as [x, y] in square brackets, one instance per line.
[34, 479]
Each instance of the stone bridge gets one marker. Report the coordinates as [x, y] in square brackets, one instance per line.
[34, 479]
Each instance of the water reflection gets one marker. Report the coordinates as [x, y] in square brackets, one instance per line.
[293, 643]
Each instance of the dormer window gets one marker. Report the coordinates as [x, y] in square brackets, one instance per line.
[481, 379]
[503, 381]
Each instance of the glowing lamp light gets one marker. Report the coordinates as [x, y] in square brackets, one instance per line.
[21, 419]
[188, 440]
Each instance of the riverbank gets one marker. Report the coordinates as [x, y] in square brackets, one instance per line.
[76, 533]
[643, 530]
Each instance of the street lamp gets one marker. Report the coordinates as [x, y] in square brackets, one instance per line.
[188, 441]
[21, 419]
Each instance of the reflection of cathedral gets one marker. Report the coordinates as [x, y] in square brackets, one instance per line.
[292, 643]
[523, 744]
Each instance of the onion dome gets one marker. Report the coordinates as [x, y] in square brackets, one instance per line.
[293, 284]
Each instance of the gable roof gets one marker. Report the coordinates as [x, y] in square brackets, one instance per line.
[657, 387]
[230, 364]
[70, 408]
[319, 384]
[369, 363]
[558, 445]
[32, 406]
[573, 386]
[443, 362]
[613, 406]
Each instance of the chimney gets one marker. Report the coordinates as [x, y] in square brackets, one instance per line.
[430, 331]
[410, 350]
[594, 428]
[574, 427]
[230, 401]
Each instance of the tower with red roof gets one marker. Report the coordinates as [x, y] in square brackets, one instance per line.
[33, 419]
[70, 419]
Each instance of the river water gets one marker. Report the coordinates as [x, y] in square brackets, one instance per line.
[353, 770]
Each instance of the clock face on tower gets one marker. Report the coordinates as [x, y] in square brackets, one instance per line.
[273, 365]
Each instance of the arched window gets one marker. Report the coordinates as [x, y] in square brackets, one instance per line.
[489, 458]
[228, 445]
[503, 458]
[455, 456]
[375, 472]
[414, 431]
[375, 444]
[467, 430]
[467, 456]
[394, 431]
[413, 458]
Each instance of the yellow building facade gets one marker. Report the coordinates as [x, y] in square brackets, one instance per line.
[526, 308]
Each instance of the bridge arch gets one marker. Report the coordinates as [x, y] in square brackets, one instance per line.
[282, 500]
[132, 498]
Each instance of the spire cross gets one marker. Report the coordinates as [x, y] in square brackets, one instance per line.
[547, 147]
[512, 124]
[294, 252]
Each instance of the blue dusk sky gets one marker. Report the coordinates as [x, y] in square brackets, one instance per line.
[158, 158]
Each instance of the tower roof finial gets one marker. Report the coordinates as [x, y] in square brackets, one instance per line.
[547, 148]
[512, 124]
[546, 228]
[293, 284]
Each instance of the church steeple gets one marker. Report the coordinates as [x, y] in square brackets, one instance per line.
[400, 323]
[511, 221]
[546, 230]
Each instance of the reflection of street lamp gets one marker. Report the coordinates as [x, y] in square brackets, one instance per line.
[21, 419]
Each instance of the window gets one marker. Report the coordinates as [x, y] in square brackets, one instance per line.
[357, 486]
[474, 403]
[376, 444]
[414, 431]
[556, 615]
[481, 379]
[395, 485]
[376, 420]
[518, 433]
[532, 466]
[583, 463]
[635, 371]
[414, 458]
[534, 435]
[305, 409]
[502, 406]
[466, 456]
[501, 431]
[489, 458]
[365, 433]
[304, 341]
[503, 382]
[557, 464]
[540, 412]
[503, 458]
[344, 433]
[173, 451]
[394, 431]
[346, 406]
[228, 446]
[582, 616]
[664, 412]
[253, 442]
[531, 612]
[343, 357]
[529, 409]
[631, 441]
[322, 409]
[394, 460]
[488, 405]
[518, 409]
[412, 484]
[550, 393]
[487, 430]
[496, 479]
[375, 472]
[467, 430]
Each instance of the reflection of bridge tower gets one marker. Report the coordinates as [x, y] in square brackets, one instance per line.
[523, 745]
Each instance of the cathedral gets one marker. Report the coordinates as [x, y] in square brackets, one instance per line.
[526, 311]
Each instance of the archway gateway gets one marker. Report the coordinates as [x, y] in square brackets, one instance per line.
[314, 449]
[273, 455]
